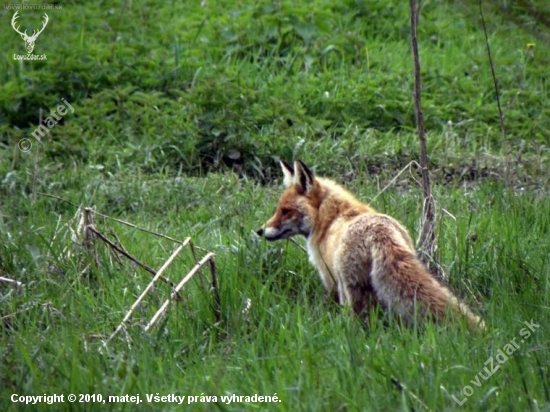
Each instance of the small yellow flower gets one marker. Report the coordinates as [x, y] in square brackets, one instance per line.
[530, 46]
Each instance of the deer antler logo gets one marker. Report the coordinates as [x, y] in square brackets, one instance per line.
[29, 40]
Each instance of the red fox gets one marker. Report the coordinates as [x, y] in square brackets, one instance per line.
[364, 258]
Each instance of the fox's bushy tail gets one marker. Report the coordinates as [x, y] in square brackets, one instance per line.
[404, 285]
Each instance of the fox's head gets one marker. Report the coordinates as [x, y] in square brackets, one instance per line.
[297, 206]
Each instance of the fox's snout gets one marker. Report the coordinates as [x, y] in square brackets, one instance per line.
[271, 233]
[283, 231]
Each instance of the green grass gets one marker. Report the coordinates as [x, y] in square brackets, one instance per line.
[180, 113]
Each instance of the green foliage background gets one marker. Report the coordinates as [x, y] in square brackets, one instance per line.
[181, 111]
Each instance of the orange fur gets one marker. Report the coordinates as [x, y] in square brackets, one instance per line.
[364, 258]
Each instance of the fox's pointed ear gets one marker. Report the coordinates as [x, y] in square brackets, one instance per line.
[304, 177]
[288, 172]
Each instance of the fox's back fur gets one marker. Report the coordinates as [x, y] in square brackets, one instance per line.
[364, 258]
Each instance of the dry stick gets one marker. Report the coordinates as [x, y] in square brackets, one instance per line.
[119, 244]
[150, 232]
[215, 291]
[58, 198]
[139, 228]
[427, 236]
[121, 250]
[391, 182]
[133, 259]
[180, 285]
[214, 283]
[194, 253]
[36, 161]
[8, 280]
[497, 95]
[89, 238]
[123, 222]
[11, 315]
[149, 287]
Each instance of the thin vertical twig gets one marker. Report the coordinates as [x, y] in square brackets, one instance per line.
[215, 291]
[497, 95]
[36, 162]
[427, 230]
[194, 253]
[90, 234]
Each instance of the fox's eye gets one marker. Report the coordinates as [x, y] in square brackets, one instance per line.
[285, 211]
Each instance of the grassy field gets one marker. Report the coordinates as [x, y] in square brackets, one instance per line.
[180, 112]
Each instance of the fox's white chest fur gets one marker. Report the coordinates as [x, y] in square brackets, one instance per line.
[319, 263]
[323, 258]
